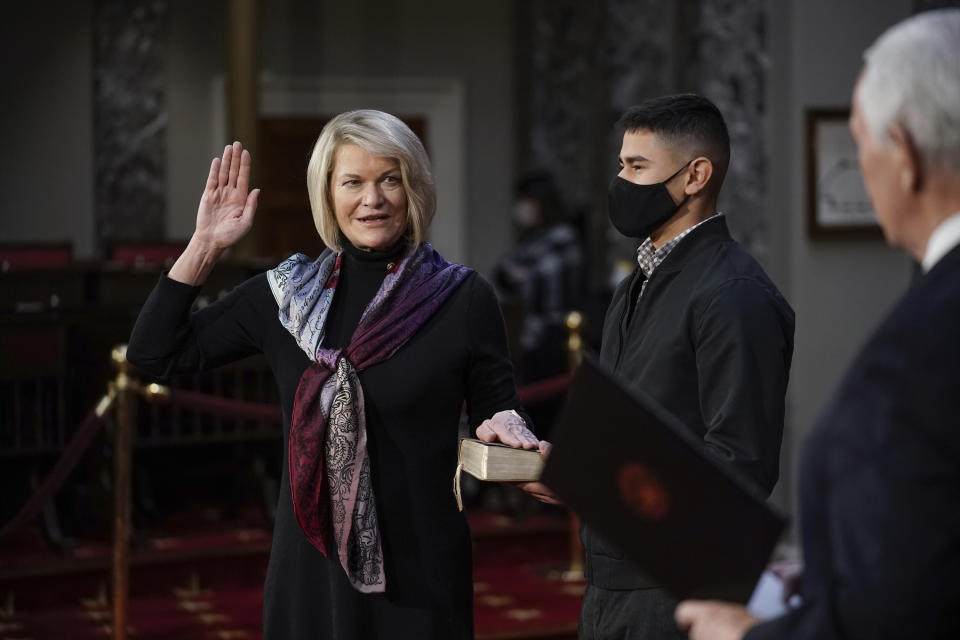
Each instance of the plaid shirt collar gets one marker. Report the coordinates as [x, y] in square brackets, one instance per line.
[649, 257]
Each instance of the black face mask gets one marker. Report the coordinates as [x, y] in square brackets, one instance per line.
[636, 210]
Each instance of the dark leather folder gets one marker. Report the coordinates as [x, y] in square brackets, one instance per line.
[642, 480]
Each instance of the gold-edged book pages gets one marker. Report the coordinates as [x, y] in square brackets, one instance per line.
[495, 462]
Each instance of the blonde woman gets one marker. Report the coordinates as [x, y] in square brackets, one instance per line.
[375, 345]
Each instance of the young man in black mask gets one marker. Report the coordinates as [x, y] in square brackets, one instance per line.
[699, 326]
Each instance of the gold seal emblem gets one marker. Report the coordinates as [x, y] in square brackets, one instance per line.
[643, 491]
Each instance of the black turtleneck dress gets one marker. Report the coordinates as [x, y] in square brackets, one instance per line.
[413, 403]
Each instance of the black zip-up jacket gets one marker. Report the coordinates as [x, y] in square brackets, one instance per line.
[711, 339]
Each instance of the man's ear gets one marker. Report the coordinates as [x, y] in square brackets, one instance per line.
[909, 165]
[701, 170]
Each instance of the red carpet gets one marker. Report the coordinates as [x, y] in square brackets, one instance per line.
[207, 586]
[518, 579]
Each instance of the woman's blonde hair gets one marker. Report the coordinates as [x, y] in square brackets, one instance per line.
[383, 135]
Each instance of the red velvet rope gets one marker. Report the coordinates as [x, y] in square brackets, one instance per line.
[534, 393]
[82, 438]
[220, 406]
[545, 389]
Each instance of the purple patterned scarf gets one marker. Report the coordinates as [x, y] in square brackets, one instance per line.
[327, 449]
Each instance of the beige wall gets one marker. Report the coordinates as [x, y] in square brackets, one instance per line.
[46, 175]
[197, 55]
[839, 290]
[46, 124]
[467, 43]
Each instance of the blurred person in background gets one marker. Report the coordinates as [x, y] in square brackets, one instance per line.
[542, 274]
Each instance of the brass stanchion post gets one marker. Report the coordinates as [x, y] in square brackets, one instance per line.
[123, 387]
[574, 322]
[575, 346]
[243, 93]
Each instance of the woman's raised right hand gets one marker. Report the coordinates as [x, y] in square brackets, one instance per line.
[225, 215]
[226, 208]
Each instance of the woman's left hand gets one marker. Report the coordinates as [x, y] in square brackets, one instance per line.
[509, 428]
[713, 620]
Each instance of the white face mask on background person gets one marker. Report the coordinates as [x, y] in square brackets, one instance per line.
[526, 213]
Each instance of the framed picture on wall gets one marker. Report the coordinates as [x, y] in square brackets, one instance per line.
[837, 202]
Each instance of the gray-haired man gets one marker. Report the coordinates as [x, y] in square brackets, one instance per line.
[880, 472]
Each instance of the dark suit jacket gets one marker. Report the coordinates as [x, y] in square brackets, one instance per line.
[711, 339]
[880, 482]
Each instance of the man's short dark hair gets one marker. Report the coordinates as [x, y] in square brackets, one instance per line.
[689, 124]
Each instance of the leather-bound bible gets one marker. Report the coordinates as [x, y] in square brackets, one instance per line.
[495, 462]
